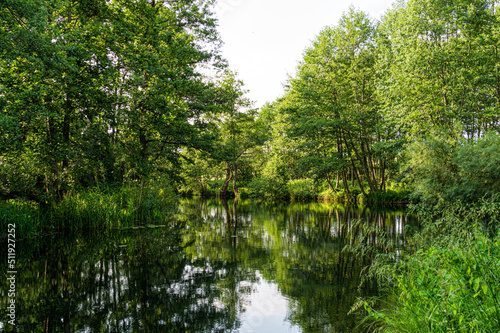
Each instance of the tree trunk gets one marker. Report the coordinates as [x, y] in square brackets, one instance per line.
[64, 188]
[235, 214]
[229, 174]
[235, 187]
[358, 177]
[330, 183]
[363, 165]
[352, 177]
[346, 184]
[382, 175]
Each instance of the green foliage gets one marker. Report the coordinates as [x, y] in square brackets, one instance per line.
[302, 189]
[330, 112]
[479, 167]
[437, 67]
[445, 289]
[20, 177]
[197, 171]
[26, 216]
[273, 183]
[267, 188]
[101, 92]
[342, 196]
[390, 196]
[151, 203]
[442, 168]
[135, 205]
[451, 281]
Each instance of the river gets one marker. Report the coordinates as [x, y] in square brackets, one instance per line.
[222, 267]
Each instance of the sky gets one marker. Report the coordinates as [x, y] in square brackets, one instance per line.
[264, 39]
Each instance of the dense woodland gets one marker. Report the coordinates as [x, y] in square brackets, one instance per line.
[99, 93]
[131, 103]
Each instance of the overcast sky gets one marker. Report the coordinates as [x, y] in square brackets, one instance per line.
[265, 39]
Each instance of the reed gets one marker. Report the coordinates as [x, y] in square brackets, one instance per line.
[455, 289]
[25, 215]
[93, 209]
[452, 283]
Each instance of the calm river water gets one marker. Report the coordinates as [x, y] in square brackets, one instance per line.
[228, 267]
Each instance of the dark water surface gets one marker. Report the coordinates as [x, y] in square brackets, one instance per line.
[230, 267]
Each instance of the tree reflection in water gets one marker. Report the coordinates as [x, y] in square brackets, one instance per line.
[201, 275]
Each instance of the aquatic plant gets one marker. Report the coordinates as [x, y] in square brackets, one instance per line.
[96, 208]
[452, 283]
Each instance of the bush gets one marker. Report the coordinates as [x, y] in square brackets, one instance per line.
[442, 168]
[452, 282]
[301, 189]
[447, 289]
[267, 188]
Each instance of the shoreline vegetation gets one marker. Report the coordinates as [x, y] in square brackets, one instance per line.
[107, 118]
[134, 205]
[449, 281]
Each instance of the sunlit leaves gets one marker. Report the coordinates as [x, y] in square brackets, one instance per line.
[103, 90]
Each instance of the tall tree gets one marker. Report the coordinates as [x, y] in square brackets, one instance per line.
[239, 129]
[101, 89]
[440, 67]
[331, 101]
[161, 47]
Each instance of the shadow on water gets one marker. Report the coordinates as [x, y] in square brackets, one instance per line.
[228, 267]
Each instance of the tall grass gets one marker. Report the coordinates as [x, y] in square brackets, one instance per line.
[25, 215]
[400, 196]
[455, 289]
[452, 283]
[128, 206]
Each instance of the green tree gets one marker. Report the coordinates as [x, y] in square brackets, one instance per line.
[101, 90]
[164, 97]
[332, 107]
[239, 130]
[439, 67]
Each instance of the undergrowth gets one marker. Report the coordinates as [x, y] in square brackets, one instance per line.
[452, 282]
[131, 205]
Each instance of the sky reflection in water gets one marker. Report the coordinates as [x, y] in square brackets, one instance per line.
[231, 267]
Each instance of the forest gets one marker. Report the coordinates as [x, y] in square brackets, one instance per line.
[112, 111]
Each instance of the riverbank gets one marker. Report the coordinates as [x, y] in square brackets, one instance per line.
[92, 209]
[452, 281]
[305, 190]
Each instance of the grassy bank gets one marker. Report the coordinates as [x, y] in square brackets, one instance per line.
[307, 189]
[452, 283]
[126, 206]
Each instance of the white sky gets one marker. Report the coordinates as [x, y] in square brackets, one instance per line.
[264, 39]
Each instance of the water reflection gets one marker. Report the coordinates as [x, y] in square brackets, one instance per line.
[313, 253]
[230, 267]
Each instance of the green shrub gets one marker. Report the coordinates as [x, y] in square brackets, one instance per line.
[327, 195]
[452, 170]
[452, 282]
[267, 188]
[301, 189]
[447, 289]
